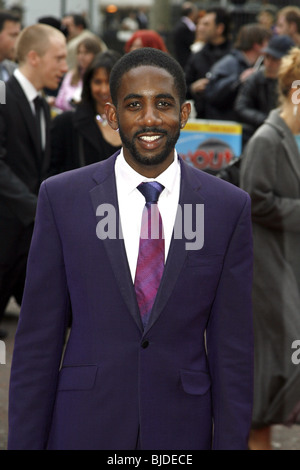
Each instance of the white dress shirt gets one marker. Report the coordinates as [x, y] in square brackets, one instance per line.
[4, 75]
[189, 23]
[31, 93]
[132, 202]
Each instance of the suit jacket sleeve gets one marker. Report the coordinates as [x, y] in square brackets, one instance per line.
[246, 104]
[40, 338]
[63, 142]
[224, 83]
[230, 341]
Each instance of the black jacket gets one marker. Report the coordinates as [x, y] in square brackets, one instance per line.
[183, 38]
[76, 140]
[224, 85]
[198, 65]
[22, 167]
[256, 98]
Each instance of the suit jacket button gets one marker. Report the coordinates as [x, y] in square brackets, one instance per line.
[145, 344]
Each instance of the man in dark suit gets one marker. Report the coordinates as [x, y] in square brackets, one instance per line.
[178, 375]
[24, 149]
[184, 32]
[10, 27]
[215, 30]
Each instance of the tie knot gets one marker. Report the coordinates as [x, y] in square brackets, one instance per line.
[37, 102]
[151, 191]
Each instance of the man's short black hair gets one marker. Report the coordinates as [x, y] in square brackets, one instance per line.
[79, 20]
[147, 56]
[222, 16]
[7, 16]
[251, 34]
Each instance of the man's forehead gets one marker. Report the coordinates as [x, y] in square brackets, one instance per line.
[142, 73]
[209, 18]
[68, 20]
[147, 80]
[151, 67]
[8, 24]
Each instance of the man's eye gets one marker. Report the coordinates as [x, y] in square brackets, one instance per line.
[134, 104]
[164, 104]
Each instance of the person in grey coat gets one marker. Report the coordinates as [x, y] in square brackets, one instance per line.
[270, 173]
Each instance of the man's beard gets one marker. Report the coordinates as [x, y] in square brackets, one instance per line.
[155, 159]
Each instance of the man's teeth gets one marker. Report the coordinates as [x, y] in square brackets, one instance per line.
[150, 138]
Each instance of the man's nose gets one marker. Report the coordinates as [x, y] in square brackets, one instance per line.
[151, 116]
[64, 67]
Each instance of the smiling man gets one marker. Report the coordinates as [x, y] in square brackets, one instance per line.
[24, 149]
[159, 352]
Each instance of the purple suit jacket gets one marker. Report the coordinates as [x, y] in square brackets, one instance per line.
[185, 382]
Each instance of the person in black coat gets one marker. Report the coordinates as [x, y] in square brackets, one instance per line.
[10, 27]
[184, 33]
[82, 137]
[259, 94]
[24, 150]
[215, 30]
[227, 75]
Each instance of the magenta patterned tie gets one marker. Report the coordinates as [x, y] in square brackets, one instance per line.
[151, 259]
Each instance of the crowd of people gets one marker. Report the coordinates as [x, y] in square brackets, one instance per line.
[57, 76]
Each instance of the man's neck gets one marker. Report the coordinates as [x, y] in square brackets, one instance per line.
[31, 77]
[250, 56]
[218, 41]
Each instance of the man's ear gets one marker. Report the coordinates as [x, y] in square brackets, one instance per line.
[33, 58]
[185, 113]
[111, 116]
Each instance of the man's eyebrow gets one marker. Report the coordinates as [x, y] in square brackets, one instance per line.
[131, 96]
[167, 96]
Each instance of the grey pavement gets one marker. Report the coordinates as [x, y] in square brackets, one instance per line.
[283, 438]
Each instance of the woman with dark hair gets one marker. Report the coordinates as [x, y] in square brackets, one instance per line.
[82, 137]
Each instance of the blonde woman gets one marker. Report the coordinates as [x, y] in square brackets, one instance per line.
[271, 174]
[70, 91]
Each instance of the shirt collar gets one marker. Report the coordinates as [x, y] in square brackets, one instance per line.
[189, 23]
[29, 90]
[133, 179]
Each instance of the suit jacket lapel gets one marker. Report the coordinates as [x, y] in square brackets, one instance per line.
[177, 253]
[288, 140]
[106, 193]
[29, 118]
[292, 151]
[46, 159]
